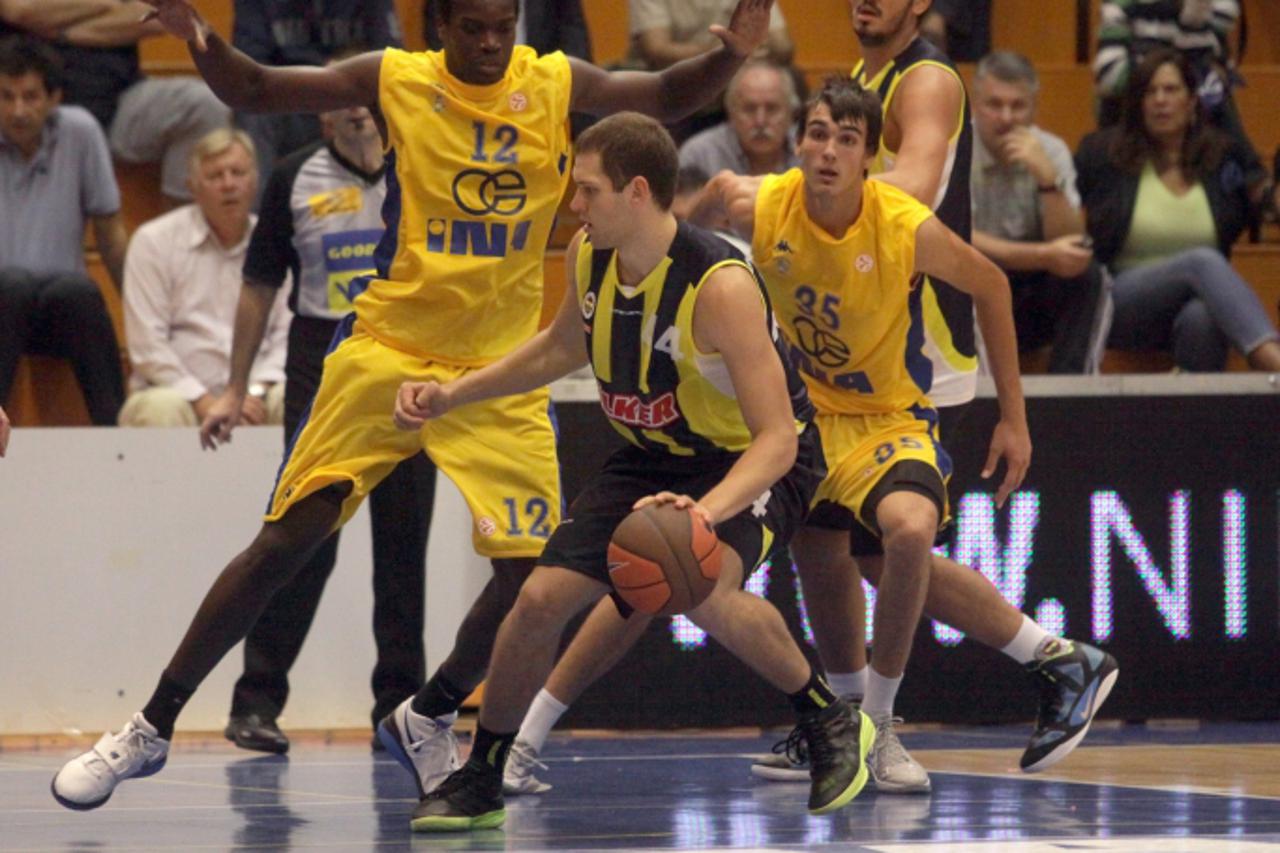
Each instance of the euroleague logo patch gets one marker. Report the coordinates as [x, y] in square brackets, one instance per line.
[864, 263]
[518, 102]
[487, 526]
[588, 306]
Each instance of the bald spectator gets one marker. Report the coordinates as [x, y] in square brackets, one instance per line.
[663, 32]
[55, 175]
[756, 137]
[147, 119]
[182, 284]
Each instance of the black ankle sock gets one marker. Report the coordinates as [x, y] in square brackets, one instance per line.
[489, 749]
[438, 697]
[165, 704]
[814, 696]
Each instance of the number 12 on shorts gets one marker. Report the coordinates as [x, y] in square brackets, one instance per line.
[535, 513]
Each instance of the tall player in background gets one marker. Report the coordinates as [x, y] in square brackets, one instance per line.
[925, 149]
[479, 159]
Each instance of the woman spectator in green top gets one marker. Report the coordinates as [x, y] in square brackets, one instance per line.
[1165, 198]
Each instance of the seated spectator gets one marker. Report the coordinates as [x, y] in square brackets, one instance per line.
[1027, 218]
[55, 173]
[304, 32]
[663, 32]
[546, 26]
[147, 119]
[1165, 198]
[182, 286]
[755, 138]
[1131, 29]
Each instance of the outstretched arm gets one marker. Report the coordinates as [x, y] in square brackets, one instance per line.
[731, 196]
[928, 112]
[940, 253]
[729, 318]
[675, 92]
[245, 85]
[252, 312]
[548, 355]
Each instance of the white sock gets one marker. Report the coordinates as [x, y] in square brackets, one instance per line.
[881, 691]
[1024, 644]
[847, 684]
[543, 714]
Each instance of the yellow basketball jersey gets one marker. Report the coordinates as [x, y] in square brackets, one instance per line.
[849, 307]
[656, 387]
[474, 178]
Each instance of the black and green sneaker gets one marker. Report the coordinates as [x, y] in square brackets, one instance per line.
[1075, 679]
[838, 740]
[470, 798]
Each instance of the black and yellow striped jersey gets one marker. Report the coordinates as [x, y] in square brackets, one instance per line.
[948, 313]
[657, 389]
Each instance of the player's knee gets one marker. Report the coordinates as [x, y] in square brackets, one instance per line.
[539, 609]
[909, 533]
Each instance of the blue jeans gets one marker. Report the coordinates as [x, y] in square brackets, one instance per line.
[1194, 305]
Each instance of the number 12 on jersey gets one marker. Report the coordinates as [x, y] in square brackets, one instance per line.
[505, 137]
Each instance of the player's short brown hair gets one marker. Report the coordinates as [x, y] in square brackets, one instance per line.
[847, 100]
[632, 145]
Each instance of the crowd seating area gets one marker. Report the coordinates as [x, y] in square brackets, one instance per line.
[45, 391]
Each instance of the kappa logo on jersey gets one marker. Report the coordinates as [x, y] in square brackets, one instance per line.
[632, 411]
[784, 246]
[588, 306]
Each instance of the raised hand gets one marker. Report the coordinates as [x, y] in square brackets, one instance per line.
[748, 27]
[180, 19]
[417, 402]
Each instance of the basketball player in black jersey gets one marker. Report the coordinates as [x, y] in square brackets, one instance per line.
[690, 368]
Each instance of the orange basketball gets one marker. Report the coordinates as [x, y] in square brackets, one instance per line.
[664, 560]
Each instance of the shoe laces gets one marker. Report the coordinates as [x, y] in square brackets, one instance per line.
[820, 733]
[522, 759]
[1052, 696]
[888, 747]
[794, 746]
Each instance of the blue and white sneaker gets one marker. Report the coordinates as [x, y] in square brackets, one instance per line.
[424, 746]
[88, 780]
[1077, 678]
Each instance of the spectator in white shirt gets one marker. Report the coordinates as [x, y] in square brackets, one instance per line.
[183, 274]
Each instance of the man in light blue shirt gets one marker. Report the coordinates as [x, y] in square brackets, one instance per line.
[55, 173]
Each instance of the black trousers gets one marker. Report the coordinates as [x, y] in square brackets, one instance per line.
[1057, 311]
[62, 315]
[400, 515]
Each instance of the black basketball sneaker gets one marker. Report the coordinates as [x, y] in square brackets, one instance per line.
[471, 798]
[837, 739]
[1076, 679]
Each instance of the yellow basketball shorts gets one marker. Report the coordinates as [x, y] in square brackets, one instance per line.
[500, 453]
[869, 456]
